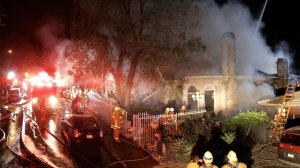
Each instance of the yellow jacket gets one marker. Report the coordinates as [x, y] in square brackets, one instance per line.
[239, 165]
[211, 166]
[192, 165]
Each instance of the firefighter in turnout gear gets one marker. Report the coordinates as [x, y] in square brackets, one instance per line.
[77, 103]
[233, 161]
[208, 160]
[194, 162]
[116, 122]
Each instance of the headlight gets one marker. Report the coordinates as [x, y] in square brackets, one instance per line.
[34, 100]
[53, 101]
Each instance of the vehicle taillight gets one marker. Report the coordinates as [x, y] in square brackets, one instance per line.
[76, 134]
[101, 134]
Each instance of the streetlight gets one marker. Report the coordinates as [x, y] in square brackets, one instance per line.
[197, 97]
[9, 51]
[5, 56]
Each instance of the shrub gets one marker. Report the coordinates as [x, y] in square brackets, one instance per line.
[228, 136]
[249, 119]
[194, 125]
[179, 150]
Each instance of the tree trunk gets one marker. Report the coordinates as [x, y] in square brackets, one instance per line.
[129, 84]
[118, 76]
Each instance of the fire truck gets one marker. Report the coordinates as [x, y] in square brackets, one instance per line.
[44, 95]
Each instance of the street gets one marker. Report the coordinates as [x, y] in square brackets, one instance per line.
[43, 140]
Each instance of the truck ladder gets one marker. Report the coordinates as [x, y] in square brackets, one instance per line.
[283, 113]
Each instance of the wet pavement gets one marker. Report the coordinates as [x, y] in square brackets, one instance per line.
[43, 139]
[11, 154]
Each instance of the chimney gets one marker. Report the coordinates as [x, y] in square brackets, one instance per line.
[282, 72]
[282, 68]
[228, 54]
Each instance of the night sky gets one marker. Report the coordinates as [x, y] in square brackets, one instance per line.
[280, 24]
[23, 19]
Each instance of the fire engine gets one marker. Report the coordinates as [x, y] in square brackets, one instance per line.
[44, 94]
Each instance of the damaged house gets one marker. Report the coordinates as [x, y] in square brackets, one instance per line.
[229, 91]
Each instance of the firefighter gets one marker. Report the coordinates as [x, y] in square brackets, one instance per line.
[167, 111]
[183, 109]
[233, 161]
[208, 160]
[76, 104]
[194, 162]
[116, 122]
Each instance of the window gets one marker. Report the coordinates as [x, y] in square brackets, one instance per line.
[291, 139]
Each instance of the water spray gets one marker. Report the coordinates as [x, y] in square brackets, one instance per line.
[260, 18]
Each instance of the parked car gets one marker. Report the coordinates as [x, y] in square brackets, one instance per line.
[14, 95]
[289, 147]
[81, 129]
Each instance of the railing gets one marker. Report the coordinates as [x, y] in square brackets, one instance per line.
[147, 128]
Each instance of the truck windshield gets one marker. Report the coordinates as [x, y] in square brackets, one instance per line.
[291, 139]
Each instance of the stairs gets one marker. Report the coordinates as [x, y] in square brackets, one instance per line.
[282, 115]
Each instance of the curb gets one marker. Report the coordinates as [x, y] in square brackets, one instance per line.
[31, 154]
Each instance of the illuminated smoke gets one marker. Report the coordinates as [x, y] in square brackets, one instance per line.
[53, 45]
[50, 36]
[62, 66]
[252, 51]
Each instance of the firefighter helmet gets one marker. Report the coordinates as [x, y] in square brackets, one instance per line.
[167, 109]
[232, 156]
[208, 157]
[117, 108]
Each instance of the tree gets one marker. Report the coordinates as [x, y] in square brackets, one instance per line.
[249, 119]
[137, 37]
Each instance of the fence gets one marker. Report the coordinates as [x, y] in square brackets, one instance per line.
[146, 128]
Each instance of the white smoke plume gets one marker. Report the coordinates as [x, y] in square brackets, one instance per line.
[53, 45]
[252, 51]
[62, 66]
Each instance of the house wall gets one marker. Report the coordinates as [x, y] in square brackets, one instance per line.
[223, 87]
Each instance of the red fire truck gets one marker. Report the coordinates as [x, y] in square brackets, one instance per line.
[44, 95]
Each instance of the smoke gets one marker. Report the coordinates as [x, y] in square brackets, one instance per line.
[212, 21]
[53, 43]
[252, 52]
[50, 36]
[62, 66]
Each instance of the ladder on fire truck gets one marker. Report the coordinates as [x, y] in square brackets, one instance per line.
[282, 115]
